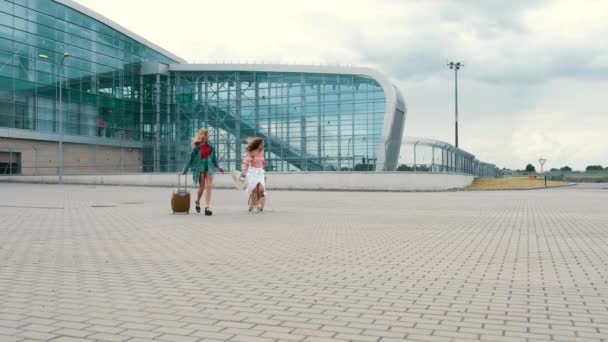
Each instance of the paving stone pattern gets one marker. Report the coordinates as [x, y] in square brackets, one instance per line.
[94, 263]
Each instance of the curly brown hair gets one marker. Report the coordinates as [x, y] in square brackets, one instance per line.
[254, 143]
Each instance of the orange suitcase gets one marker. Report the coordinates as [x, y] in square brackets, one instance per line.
[180, 201]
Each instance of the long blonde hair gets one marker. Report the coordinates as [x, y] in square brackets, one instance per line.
[201, 137]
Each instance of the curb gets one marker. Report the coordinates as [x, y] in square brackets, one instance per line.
[524, 189]
[223, 187]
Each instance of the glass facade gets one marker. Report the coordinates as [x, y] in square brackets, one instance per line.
[310, 121]
[102, 88]
[119, 90]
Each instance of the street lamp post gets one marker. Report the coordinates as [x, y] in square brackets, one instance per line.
[456, 66]
[60, 129]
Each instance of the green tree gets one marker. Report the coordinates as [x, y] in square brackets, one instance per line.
[594, 168]
[565, 168]
[554, 169]
[530, 168]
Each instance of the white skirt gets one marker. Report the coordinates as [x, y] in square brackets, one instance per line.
[254, 176]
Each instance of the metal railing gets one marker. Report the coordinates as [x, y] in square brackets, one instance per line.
[429, 155]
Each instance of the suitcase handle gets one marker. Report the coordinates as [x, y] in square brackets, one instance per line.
[179, 178]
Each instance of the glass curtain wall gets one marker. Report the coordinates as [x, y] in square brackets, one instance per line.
[310, 121]
[112, 95]
[101, 81]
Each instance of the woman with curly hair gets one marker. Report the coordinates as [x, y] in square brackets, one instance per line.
[253, 169]
[203, 162]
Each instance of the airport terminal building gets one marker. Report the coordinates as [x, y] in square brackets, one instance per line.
[119, 103]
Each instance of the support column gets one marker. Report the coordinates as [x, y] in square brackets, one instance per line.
[157, 125]
[256, 85]
[206, 103]
[268, 122]
[323, 118]
[287, 120]
[199, 104]
[303, 155]
[449, 155]
[339, 120]
[228, 111]
[319, 123]
[170, 157]
[352, 135]
[141, 107]
[237, 138]
[216, 132]
[415, 166]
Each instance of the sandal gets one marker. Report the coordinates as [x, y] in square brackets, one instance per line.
[208, 212]
[198, 206]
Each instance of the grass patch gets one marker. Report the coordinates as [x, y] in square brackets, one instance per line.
[510, 183]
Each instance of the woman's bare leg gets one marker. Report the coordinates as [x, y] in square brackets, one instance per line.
[201, 188]
[261, 197]
[208, 184]
[254, 199]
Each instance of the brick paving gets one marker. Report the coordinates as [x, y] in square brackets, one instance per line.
[84, 263]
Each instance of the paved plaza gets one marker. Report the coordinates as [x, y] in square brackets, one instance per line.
[95, 263]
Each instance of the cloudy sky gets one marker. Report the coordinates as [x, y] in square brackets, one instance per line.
[535, 81]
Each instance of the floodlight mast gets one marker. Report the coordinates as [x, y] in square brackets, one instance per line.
[455, 66]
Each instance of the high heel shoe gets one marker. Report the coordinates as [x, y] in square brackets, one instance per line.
[208, 212]
[198, 206]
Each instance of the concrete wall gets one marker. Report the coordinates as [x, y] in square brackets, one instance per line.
[41, 157]
[351, 181]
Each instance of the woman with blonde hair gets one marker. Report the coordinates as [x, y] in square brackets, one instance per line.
[203, 162]
[253, 169]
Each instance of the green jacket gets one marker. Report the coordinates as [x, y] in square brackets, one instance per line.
[194, 163]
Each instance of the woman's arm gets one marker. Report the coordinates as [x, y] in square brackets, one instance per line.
[214, 160]
[245, 164]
